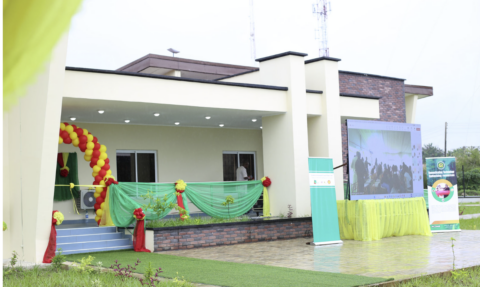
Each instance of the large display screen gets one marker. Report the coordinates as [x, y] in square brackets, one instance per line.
[385, 160]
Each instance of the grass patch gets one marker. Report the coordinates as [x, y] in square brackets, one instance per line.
[193, 221]
[470, 224]
[229, 273]
[49, 277]
[471, 277]
[470, 210]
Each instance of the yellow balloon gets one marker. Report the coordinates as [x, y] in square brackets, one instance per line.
[103, 155]
[98, 189]
[101, 182]
[87, 157]
[102, 205]
[73, 135]
[96, 194]
[60, 140]
[76, 142]
[99, 212]
[85, 132]
[103, 148]
[97, 218]
[100, 163]
[62, 126]
[88, 152]
[90, 145]
[109, 172]
[69, 129]
[97, 168]
[94, 174]
[89, 139]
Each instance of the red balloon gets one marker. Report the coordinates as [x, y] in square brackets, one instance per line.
[97, 146]
[98, 178]
[95, 183]
[83, 149]
[107, 161]
[67, 140]
[82, 146]
[100, 200]
[106, 167]
[94, 160]
[74, 127]
[92, 164]
[96, 153]
[102, 173]
[103, 194]
[64, 135]
[96, 206]
[66, 124]
[79, 131]
[82, 139]
[105, 189]
[95, 140]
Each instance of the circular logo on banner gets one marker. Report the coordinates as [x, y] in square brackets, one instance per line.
[329, 181]
[440, 165]
[442, 190]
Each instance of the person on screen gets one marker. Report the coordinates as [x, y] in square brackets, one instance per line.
[361, 174]
[354, 172]
[367, 164]
[408, 181]
[242, 172]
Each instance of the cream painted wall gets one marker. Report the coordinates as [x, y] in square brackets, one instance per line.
[314, 104]
[30, 136]
[191, 154]
[411, 108]
[250, 78]
[359, 108]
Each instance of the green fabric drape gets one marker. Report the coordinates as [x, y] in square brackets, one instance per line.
[31, 29]
[125, 197]
[63, 192]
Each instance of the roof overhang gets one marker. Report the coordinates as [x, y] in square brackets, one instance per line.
[420, 91]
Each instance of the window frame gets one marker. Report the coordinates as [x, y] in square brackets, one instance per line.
[136, 161]
[238, 153]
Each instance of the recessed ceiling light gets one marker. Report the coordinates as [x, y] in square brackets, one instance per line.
[156, 114]
[72, 119]
[208, 117]
[261, 127]
[127, 121]
[254, 120]
[177, 123]
[221, 125]
[101, 111]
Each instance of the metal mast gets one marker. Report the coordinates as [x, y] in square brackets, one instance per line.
[321, 10]
[252, 33]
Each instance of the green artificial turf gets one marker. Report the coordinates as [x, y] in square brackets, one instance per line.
[228, 273]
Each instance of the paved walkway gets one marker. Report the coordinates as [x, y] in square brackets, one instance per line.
[398, 257]
[470, 216]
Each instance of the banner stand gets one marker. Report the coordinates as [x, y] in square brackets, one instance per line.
[323, 202]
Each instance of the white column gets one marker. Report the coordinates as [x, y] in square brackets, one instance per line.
[285, 137]
[31, 138]
[325, 132]
[411, 108]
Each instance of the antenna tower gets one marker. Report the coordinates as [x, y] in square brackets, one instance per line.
[321, 10]
[252, 33]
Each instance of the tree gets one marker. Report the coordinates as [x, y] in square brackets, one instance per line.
[468, 157]
[429, 150]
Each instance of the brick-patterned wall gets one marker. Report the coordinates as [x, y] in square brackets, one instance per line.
[392, 103]
[230, 233]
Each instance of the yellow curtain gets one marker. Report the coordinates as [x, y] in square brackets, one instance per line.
[368, 220]
[31, 29]
[106, 218]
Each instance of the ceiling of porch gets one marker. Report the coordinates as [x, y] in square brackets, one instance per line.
[116, 112]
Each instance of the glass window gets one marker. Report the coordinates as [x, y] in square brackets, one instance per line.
[233, 160]
[136, 166]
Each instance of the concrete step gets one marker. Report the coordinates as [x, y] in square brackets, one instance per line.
[94, 244]
[89, 237]
[90, 250]
[85, 231]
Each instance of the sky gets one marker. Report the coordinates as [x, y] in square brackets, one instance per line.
[427, 42]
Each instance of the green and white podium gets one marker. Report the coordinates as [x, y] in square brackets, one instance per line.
[324, 201]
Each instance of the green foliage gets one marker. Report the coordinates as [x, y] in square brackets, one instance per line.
[13, 261]
[458, 278]
[193, 221]
[228, 200]
[470, 224]
[58, 260]
[429, 150]
[160, 205]
[453, 251]
[149, 272]
[83, 265]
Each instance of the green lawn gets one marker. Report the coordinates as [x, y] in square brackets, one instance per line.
[469, 209]
[229, 273]
[471, 277]
[470, 224]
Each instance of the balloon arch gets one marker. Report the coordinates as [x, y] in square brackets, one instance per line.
[96, 154]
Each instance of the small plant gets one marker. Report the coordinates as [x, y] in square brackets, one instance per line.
[290, 211]
[83, 265]
[161, 205]
[58, 260]
[124, 272]
[14, 259]
[453, 251]
[97, 283]
[228, 200]
[150, 275]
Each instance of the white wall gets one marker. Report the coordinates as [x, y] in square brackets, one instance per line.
[191, 154]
